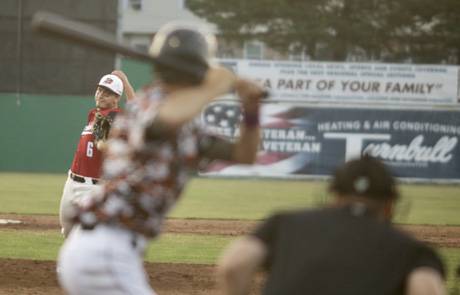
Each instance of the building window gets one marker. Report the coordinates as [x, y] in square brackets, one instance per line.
[253, 50]
[136, 4]
[297, 53]
[142, 47]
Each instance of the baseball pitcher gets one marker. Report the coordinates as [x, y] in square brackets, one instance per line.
[85, 171]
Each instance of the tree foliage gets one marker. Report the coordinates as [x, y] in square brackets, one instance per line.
[423, 31]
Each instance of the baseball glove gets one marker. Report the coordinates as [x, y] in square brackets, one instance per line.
[101, 128]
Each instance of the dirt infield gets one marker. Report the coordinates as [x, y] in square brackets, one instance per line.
[39, 278]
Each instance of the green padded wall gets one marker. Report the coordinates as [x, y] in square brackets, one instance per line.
[42, 132]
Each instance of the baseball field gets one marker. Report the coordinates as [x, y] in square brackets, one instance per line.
[212, 213]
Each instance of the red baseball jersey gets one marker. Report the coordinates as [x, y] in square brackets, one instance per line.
[87, 160]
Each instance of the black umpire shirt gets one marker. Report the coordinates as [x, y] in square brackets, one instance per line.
[339, 251]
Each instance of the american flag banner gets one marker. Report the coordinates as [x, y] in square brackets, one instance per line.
[285, 147]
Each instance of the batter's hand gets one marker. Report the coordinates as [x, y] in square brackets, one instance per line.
[250, 94]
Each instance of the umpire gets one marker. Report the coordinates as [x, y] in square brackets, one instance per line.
[350, 247]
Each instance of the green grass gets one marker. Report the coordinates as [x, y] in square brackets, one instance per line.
[244, 199]
[236, 199]
[187, 248]
[25, 244]
[451, 258]
[29, 193]
[431, 204]
[170, 248]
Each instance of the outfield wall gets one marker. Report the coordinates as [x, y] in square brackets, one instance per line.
[42, 132]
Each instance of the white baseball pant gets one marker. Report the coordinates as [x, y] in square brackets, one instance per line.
[72, 192]
[103, 261]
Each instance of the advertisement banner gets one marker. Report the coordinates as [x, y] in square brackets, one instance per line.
[313, 141]
[353, 82]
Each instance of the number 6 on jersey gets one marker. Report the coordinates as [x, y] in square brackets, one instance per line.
[89, 149]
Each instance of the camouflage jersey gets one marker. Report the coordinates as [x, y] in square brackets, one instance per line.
[144, 174]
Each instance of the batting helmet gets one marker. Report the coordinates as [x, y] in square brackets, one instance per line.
[184, 48]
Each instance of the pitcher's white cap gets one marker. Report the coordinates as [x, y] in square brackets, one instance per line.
[112, 83]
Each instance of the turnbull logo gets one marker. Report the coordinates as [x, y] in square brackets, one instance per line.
[415, 151]
[440, 152]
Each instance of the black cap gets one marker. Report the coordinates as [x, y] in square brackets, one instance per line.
[366, 177]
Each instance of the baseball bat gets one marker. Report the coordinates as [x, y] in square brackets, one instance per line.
[60, 27]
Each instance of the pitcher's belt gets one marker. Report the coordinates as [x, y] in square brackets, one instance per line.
[83, 179]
